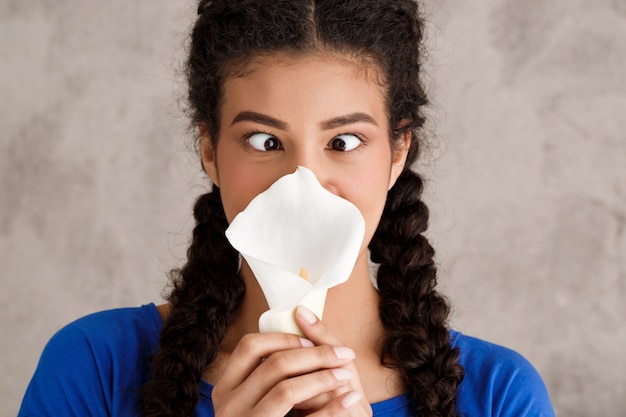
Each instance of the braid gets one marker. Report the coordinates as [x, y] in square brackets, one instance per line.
[413, 313]
[206, 294]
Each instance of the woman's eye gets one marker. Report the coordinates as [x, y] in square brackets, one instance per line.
[264, 142]
[344, 143]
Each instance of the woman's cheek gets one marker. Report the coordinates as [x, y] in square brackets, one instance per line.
[239, 187]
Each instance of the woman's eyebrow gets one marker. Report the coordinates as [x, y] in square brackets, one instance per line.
[333, 123]
[347, 119]
[263, 119]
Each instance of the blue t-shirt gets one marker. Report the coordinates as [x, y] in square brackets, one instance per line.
[96, 365]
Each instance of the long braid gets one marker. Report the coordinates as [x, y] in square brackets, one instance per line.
[206, 294]
[413, 313]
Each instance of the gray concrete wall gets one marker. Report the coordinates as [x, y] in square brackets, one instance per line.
[527, 177]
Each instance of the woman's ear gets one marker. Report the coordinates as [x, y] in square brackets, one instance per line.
[400, 152]
[207, 153]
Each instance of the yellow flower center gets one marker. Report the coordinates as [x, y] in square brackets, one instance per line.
[304, 274]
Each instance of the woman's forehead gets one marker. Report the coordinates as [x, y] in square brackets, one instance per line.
[313, 81]
[358, 64]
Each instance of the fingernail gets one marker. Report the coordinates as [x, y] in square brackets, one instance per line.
[344, 353]
[351, 399]
[342, 374]
[307, 315]
[306, 342]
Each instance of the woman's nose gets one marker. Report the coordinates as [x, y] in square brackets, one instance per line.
[305, 158]
[316, 162]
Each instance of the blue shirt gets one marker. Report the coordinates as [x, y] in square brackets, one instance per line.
[96, 365]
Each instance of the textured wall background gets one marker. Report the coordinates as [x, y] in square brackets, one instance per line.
[527, 176]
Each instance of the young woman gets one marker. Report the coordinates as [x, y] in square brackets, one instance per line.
[333, 86]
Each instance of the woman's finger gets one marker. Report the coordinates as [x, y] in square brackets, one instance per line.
[289, 364]
[247, 355]
[343, 405]
[319, 334]
[314, 329]
[292, 391]
[251, 350]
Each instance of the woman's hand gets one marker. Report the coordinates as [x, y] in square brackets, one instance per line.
[269, 374]
[349, 396]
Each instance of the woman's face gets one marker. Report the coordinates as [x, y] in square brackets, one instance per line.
[315, 111]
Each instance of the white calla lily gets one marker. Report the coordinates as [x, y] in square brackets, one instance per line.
[299, 240]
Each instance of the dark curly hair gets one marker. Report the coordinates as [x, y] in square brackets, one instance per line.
[207, 290]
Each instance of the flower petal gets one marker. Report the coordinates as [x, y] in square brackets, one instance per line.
[283, 320]
[295, 224]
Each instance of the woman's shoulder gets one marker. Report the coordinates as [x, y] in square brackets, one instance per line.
[498, 380]
[135, 328]
[92, 360]
[109, 339]
[475, 349]
[141, 322]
